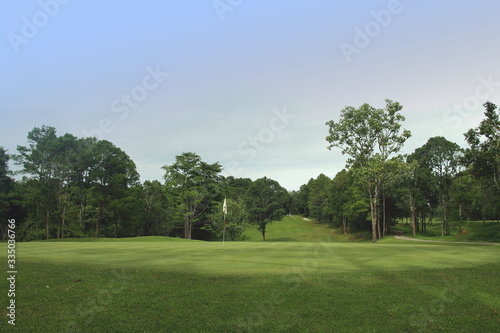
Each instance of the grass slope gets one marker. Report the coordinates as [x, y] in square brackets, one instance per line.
[473, 232]
[170, 285]
[295, 228]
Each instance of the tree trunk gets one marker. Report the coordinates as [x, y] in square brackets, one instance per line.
[413, 210]
[64, 213]
[445, 214]
[374, 223]
[417, 221]
[47, 222]
[187, 233]
[99, 216]
[373, 209]
[378, 220]
[84, 210]
[384, 233]
[344, 226]
[59, 204]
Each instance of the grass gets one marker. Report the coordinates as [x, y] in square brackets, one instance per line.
[317, 281]
[296, 229]
[474, 232]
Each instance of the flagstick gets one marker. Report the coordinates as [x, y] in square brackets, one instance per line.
[224, 231]
[224, 209]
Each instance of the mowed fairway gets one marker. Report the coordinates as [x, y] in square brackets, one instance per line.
[309, 279]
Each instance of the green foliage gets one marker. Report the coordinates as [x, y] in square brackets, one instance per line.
[440, 159]
[361, 131]
[265, 200]
[483, 154]
[157, 218]
[369, 136]
[194, 185]
[70, 185]
[236, 219]
[319, 203]
[112, 175]
[483, 159]
[6, 188]
[83, 187]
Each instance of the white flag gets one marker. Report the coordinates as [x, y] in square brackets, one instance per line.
[224, 207]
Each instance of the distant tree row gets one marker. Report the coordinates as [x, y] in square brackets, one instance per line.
[84, 187]
[379, 187]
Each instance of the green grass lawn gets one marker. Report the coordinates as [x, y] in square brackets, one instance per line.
[295, 228]
[473, 232]
[315, 282]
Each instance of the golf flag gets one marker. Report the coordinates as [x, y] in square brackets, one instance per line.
[224, 209]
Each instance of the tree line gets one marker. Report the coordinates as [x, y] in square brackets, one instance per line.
[439, 180]
[84, 187]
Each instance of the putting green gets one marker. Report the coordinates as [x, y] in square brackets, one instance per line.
[259, 257]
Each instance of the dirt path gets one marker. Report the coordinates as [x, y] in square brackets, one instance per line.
[400, 235]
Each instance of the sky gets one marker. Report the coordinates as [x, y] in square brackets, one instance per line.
[248, 84]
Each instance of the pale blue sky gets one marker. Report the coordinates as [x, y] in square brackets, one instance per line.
[71, 65]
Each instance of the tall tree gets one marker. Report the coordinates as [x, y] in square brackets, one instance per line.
[349, 201]
[442, 158]
[320, 193]
[303, 198]
[194, 184]
[111, 174]
[265, 200]
[40, 159]
[6, 186]
[369, 136]
[155, 205]
[82, 166]
[483, 155]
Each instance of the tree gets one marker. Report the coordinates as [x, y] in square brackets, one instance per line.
[6, 186]
[318, 203]
[40, 159]
[349, 202]
[441, 158]
[236, 219]
[265, 200]
[195, 186]
[303, 198]
[369, 136]
[483, 154]
[111, 174]
[393, 170]
[155, 203]
[81, 181]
